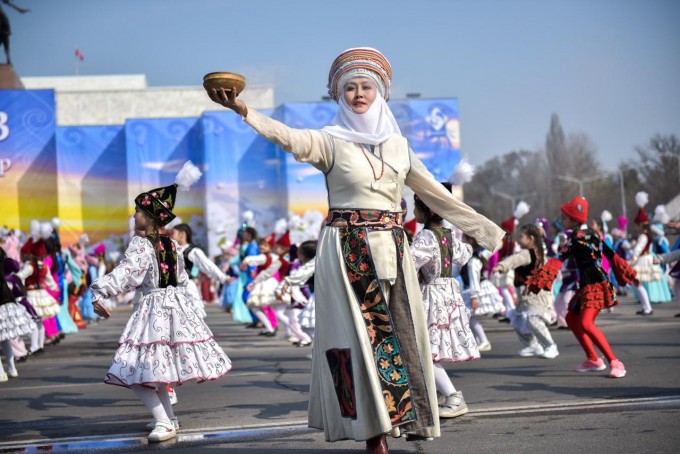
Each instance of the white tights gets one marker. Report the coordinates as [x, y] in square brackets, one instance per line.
[478, 330]
[262, 317]
[38, 337]
[442, 381]
[644, 298]
[9, 355]
[508, 301]
[157, 401]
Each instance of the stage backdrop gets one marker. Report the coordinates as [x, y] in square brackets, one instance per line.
[93, 193]
[28, 160]
[243, 173]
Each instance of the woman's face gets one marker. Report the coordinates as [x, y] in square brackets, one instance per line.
[359, 94]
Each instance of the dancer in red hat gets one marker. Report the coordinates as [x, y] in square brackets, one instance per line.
[595, 291]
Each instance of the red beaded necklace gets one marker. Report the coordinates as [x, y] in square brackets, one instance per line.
[375, 185]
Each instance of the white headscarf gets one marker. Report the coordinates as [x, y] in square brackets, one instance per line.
[373, 127]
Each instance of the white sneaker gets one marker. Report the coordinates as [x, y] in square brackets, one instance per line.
[551, 352]
[13, 373]
[453, 406]
[531, 350]
[484, 347]
[152, 424]
[173, 396]
[162, 432]
[3, 377]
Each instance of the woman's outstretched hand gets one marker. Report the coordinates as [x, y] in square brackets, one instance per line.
[228, 98]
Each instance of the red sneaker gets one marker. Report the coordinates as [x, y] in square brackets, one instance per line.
[591, 366]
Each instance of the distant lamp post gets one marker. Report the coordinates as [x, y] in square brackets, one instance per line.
[512, 198]
[582, 181]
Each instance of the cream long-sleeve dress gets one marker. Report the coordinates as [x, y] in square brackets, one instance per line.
[340, 321]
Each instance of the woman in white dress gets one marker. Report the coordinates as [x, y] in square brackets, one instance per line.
[372, 366]
[165, 342]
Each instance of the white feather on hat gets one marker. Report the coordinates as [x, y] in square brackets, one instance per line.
[280, 226]
[56, 222]
[187, 176]
[606, 216]
[34, 229]
[46, 230]
[84, 239]
[660, 214]
[521, 209]
[641, 199]
[463, 173]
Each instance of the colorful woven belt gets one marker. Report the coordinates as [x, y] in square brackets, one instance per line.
[373, 219]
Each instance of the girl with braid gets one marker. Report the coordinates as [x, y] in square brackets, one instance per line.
[165, 342]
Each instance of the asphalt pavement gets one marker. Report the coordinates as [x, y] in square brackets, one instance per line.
[59, 402]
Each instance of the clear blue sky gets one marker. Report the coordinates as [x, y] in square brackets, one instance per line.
[609, 68]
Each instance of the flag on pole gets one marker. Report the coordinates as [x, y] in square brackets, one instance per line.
[79, 55]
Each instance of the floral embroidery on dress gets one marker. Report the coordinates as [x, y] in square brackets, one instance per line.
[340, 364]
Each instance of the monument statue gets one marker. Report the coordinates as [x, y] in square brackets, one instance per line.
[5, 29]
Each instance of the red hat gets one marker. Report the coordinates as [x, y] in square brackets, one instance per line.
[26, 248]
[641, 217]
[284, 240]
[38, 249]
[509, 225]
[269, 239]
[576, 210]
[411, 226]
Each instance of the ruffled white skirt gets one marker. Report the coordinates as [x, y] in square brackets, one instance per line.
[15, 321]
[45, 306]
[263, 293]
[490, 301]
[166, 342]
[448, 322]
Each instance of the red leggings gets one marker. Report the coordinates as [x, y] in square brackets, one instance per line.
[583, 327]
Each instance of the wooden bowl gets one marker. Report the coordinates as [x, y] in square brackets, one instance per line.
[224, 80]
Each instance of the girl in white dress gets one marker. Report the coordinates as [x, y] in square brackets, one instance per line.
[165, 341]
[434, 251]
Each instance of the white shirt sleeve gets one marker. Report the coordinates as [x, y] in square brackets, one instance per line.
[207, 266]
[130, 272]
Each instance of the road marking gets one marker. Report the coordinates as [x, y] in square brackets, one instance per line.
[206, 436]
[97, 383]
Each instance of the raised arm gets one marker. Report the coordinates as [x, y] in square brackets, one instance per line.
[130, 272]
[313, 147]
[521, 258]
[448, 207]
[206, 265]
